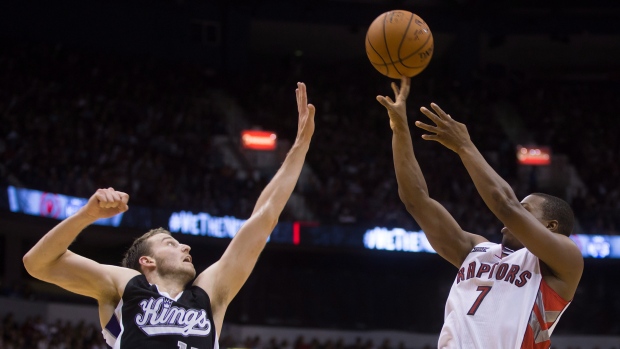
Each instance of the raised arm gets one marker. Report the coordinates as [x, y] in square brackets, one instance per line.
[556, 251]
[224, 278]
[50, 259]
[441, 229]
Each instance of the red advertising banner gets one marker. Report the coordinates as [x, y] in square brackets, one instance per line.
[258, 140]
[537, 156]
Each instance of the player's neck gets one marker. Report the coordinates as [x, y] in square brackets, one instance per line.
[171, 285]
[506, 251]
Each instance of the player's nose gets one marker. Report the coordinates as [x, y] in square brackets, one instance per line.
[504, 230]
[185, 248]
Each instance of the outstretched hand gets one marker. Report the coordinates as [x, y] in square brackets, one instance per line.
[397, 111]
[305, 127]
[450, 133]
[106, 203]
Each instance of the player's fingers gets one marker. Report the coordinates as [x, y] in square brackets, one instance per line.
[395, 89]
[430, 115]
[405, 86]
[311, 111]
[100, 196]
[110, 200]
[108, 195]
[297, 98]
[426, 127]
[303, 98]
[430, 137]
[122, 208]
[124, 200]
[124, 197]
[442, 114]
[383, 102]
[117, 196]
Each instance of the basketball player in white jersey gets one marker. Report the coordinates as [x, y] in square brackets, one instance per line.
[145, 304]
[504, 296]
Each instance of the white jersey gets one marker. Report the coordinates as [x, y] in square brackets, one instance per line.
[499, 302]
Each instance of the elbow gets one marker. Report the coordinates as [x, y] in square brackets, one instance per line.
[273, 221]
[272, 224]
[270, 216]
[410, 207]
[29, 264]
[32, 266]
[412, 202]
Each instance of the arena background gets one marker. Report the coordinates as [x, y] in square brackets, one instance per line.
[151, 97]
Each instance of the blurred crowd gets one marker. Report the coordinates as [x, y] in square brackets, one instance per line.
[503, 109]
[256, 342]
[576, 118]
[352, 147]
[34, 333]
[74, 121]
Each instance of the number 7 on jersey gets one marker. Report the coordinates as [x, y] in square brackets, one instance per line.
[484, 290]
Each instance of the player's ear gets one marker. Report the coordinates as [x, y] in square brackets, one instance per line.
[553, 225]
[147, 261]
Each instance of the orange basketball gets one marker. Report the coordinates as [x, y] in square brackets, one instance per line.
[399, 43]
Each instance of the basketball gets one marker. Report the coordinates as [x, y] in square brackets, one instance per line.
[399, 43]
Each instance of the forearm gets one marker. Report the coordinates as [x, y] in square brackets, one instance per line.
[56, 242]
[236, 264]
[411, 183]
[275, 195]
[494, 190]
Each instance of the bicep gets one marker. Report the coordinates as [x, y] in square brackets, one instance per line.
[83, 276]
[444, 233]
[557, 251]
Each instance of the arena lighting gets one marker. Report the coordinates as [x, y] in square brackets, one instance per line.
[297, 225]
[204, 224]
[598, 246]
[58, 206]
[398, 239]
[537, 156]
[258, 140]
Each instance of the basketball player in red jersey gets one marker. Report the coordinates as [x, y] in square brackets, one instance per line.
[508, 295]
[145, 303]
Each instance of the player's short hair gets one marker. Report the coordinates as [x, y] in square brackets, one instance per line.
[554, 208]
[140, 247]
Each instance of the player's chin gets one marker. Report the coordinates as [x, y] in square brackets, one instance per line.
[511, 243]
[507, 241]
[190, 272]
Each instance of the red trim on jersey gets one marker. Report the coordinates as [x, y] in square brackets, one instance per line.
[551, 302]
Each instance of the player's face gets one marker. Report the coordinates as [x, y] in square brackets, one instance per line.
[510, 240]
[171, 257]
[533, 204]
